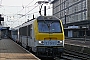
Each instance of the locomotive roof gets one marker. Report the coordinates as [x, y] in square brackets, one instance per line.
[47, 18]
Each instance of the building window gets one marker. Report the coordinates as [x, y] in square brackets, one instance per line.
[81, 15]
[79, 7]
[85, 15]
[76, 17]
[84, 5]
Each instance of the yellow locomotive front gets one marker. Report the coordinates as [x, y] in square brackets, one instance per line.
[49, 36]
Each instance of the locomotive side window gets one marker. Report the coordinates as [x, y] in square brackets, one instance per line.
[30, 31]
[49, 26]
[24, 31]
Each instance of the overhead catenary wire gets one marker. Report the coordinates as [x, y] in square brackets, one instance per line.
[26, 6]
[33, 12]
[32, 9]
[41, 10]
[20, 6]
[29, 12]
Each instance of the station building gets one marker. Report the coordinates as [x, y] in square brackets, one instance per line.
[75, 15]
[4, 31]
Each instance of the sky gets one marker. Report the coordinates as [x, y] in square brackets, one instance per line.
[16, 12]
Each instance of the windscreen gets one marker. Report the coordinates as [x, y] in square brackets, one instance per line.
[48, 26]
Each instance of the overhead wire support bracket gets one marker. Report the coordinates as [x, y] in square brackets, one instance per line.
[40, 9]
[41, 2]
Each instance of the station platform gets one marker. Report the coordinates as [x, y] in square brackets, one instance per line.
[9, 50]
[77, 45]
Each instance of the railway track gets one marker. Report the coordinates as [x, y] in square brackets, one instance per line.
[72, 55]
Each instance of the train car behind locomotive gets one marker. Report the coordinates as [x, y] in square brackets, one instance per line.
[44, 36]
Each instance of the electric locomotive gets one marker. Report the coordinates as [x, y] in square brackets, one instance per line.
[43, 35]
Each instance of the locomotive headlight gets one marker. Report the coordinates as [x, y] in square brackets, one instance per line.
[41, 42]
[59, 42]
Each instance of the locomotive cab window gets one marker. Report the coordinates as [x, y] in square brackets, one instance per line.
[49, 26]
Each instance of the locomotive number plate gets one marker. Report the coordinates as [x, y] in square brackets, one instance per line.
[50, 43]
